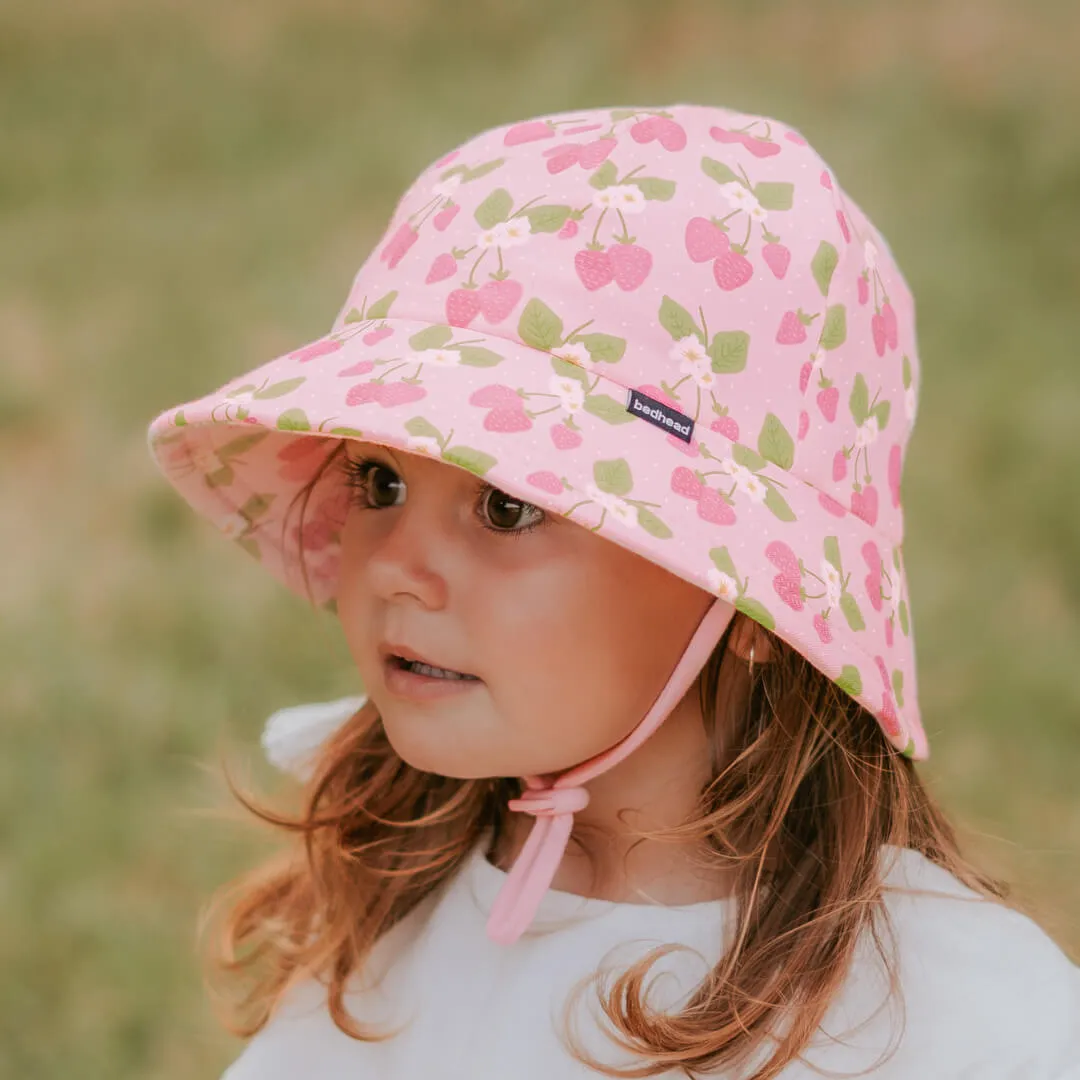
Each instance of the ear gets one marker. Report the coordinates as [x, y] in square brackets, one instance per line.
[745, 633]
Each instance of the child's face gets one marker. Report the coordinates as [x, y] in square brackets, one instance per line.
[571, 635]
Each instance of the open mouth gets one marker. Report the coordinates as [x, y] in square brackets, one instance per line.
[414, 667]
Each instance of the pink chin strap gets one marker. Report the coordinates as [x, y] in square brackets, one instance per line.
[554, 805]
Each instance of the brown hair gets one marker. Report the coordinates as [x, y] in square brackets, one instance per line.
[804, 794]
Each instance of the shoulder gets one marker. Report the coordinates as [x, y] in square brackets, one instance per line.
[986, 973]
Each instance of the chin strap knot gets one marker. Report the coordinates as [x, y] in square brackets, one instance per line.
[548, 802]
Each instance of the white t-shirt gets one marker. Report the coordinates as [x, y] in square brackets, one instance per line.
[988, 995]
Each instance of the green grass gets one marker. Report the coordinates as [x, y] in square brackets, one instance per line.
[186, 191]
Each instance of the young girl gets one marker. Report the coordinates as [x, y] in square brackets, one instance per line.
[600, 469]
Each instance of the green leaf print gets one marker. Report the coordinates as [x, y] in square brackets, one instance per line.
[834, 332]
[898, 686]
[257, 505]
[468, 175]
[722, 561]
[907, 371]
[860, 400]
[881, 411]
[539, 326]
[547, 218]
[249, 546]
[353, 315]
[652, 524]
[245, 389]
[851, 611]
[280, 389]
[778, 505]
[729, 350]
[756, 610]
[475, 461]
[608, 409]
[823, 265]
[604, 176]
[604, 348]
[355, 432]
[431, 337]
[720, 172]
[677, 321]
[850, 679]
[743, 455]
[238, 446]
[653, 187]
[901, 612]
[475, 356]
[775, 444]
[421, 428]
[613, 476]
[381, 308]
[774, 195]
[495, 208]
[832, 554]
[567, 369]
[293, 420]
[178, 419]
[222, 477]
[909, 750]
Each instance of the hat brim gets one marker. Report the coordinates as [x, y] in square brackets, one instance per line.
[241, 454]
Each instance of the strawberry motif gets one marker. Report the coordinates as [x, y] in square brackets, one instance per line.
[759, 147]
[731, 270]
[594, 268]
[315, 350]
[361, 367]
[444, 266]
[562, 158]
[496, 395]
[564, 438]
[546, 481]
[821, 625]
[792, 329]
[671, 134]
[630, 264]
[784, 559]
[890, 722]
[499, 298]
[569, 229]
[704, 240]
[462, 306]
[398, 245]
[596, 152]
[712, 506]
[864, 504]
[895, 464]
[684, 482]
[445, 216]
[838, 509]
[789, 590]
[362, 393]
[827, 401]
[888, 313]
[841, 220]
[864, 289]
[889, 632]
[529, 131]
[507, 420]
[400, 393]
[804, 375]
[777, 257]
[727, 426]
[872, 557]
[804, 425]
[878, 329]
[378, 335]
[839, 465]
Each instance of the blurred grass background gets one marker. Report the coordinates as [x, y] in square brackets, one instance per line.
[187, 189]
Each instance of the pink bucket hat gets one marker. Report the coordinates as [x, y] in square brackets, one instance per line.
[670, 325]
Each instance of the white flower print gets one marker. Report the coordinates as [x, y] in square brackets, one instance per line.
[575, 352]
[233, 525]
[870, 254]
[754, 488]
[437, 357]
[689, 349]
[723, 585]
[866, 433]
[909, 402]
[510, 233]
[623, 512]
[703, 376]
[740, 197]
[624, 197]
[571, 393]
[424, 444]
[817, 358]
[740, 473]
[597, 496]
[447, 187]
[833, 584]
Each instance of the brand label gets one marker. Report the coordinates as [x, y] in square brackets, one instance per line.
[663, 416]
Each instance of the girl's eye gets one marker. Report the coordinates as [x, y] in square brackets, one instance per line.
[377, 486]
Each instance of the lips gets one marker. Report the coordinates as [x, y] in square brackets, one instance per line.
[392, 653]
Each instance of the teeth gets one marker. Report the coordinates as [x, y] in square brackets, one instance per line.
[434, 672]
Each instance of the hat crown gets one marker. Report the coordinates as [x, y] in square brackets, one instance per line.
[703, 256]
